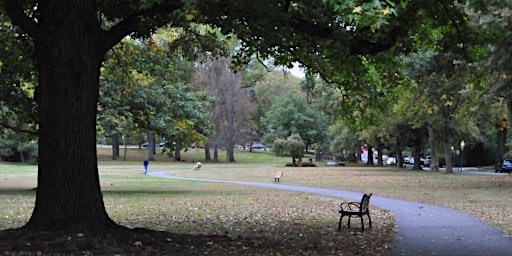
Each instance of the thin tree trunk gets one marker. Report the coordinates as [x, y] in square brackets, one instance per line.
[509, 111]
[207, 154]
[434, 165]
[216, 153]
[399, 158]
[369, 160]
[501, 140]
[448, 157]
[380, 145]
[151, 146]
[177, 151]
[125, 148]
[358, 152]
[22, 157]
[399, 155]
[417, 155]
[230, 156]
[115, 146]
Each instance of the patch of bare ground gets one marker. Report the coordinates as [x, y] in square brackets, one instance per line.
[125, 241]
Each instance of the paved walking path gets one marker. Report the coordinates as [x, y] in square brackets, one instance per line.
[422, 229]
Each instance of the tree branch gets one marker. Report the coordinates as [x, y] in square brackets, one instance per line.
[456, 26]
[120, 30]
[358, 46]
[19, 18]
[16, 129]
[262, 63]
[133, 22]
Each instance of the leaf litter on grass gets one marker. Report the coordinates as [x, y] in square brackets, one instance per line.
[224, 219]
[262, 222]
[473, 194]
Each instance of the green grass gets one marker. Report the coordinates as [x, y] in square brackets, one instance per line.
[299, 221]
[191, 207]
[487, 197]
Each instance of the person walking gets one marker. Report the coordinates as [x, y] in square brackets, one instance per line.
[146, 163]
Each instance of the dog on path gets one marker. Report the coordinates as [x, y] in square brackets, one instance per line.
[197, 166]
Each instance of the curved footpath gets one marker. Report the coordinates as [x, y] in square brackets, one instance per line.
[422, 229]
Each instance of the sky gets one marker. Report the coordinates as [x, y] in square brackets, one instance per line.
[297, 72]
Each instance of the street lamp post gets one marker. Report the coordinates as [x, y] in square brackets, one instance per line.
[462, 145]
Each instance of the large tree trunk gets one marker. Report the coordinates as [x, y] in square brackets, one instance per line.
[68, 60]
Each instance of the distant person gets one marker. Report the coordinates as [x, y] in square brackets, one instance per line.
[146, 163]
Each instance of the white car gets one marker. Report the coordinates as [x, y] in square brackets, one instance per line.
[425, 161]
[391, 161]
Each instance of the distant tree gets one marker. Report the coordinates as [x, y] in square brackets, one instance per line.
[231, 108]
[345, 143]
[18, 120]
[292, 114]
[276, 83]
[144, 90]
[498, 19]
[292, 146]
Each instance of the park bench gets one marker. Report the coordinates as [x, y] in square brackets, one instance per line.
[278, 176]
[356, 209]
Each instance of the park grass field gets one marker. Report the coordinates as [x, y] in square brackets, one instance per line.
[301, 221]
[487, 197]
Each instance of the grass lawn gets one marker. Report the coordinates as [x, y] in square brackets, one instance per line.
[272, 220]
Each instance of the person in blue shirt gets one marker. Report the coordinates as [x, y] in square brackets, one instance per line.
[146, 163]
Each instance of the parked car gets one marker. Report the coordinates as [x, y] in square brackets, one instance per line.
[391, 161]
[506, 166]
[258, 146]
[426, 161]
[408, 160]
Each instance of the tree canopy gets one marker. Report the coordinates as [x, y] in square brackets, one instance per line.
[71, 38]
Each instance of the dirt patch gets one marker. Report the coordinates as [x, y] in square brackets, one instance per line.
[124, 241]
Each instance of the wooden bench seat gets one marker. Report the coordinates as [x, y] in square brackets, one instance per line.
[278, 176]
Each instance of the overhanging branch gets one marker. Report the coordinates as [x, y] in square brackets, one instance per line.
[19, 18]
[17, 129]
[133, 22]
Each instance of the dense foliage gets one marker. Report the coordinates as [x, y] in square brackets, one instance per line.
[350, 45]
